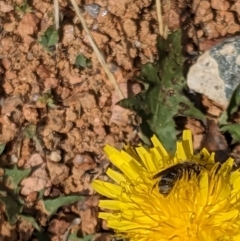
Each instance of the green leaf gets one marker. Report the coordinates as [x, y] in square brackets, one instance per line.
[165, 98]
[2, 147]
[15, 176]
[82, 61]
[13, 207]
[234, 131]
[23, 8]
[32, 221]
[30, 131]
[50, 103]
[47, 98]
[52, 205]
[149, 74]
[49, 38]
[223, 120]
[41, 193]
[73, 237]
[234, 101]
[10, 194]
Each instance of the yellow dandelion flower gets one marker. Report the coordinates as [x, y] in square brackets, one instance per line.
[204, 207]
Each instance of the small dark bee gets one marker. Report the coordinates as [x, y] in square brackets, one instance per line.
[169, 176]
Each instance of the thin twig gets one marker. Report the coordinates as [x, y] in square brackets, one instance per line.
[96, 50]
[56, 14]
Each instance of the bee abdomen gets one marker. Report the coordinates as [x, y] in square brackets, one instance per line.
[169, 177]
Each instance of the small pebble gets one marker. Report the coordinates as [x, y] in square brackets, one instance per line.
[104, 12]
[92, 9]
[30, 56]
[55, 156]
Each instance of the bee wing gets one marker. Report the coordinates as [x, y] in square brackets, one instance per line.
[167, 170]
[159, 174]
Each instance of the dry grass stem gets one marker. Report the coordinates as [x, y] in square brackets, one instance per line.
[96, 50]
[56, 14]
[163, 28]
[159, 16]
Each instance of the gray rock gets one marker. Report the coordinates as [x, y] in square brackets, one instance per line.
[217, 72]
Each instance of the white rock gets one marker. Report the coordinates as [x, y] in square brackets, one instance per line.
[217, 72]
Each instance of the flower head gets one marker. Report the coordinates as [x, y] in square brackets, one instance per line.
[204, 207]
